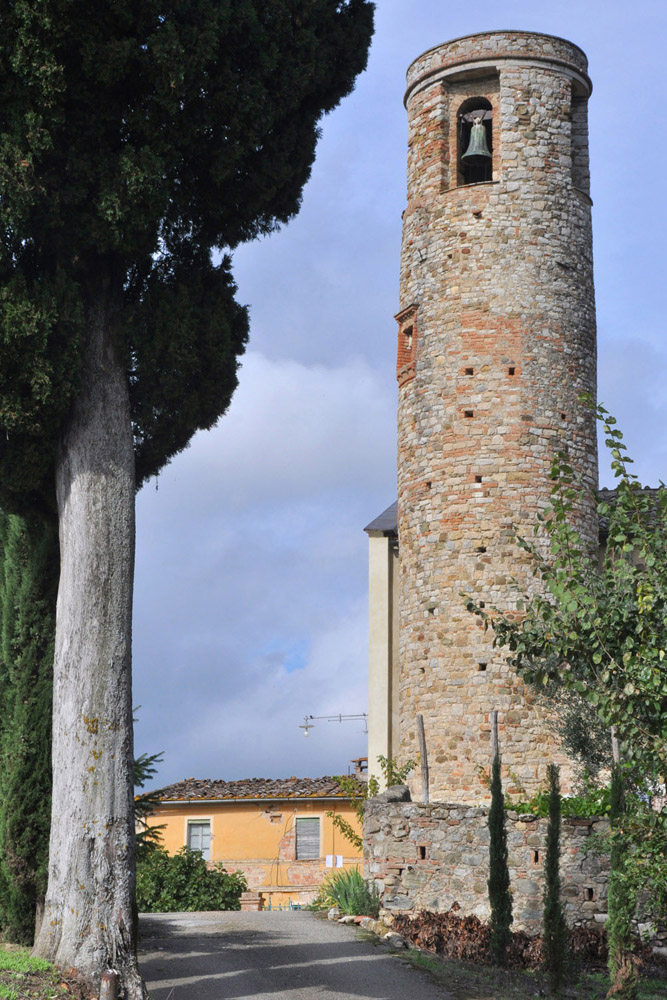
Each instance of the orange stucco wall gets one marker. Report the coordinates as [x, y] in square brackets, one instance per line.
[258, 838]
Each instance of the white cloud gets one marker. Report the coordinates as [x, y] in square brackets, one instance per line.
[251, 574]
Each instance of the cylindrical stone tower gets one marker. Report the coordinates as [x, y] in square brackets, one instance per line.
[496, 343]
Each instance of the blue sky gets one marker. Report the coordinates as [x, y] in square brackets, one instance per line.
[250, 593]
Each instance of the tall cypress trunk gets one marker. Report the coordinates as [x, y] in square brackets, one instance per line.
[88, 917]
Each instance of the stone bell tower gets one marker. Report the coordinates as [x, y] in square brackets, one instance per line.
[496, 343]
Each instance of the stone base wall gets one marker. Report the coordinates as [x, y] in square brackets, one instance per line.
[428, 857]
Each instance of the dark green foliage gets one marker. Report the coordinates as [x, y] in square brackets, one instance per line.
[621, 900]
[28, 582]
[583, 735]
[183, 882]
[500, 896]
[148, 837]
[136, 140]
[554, 926]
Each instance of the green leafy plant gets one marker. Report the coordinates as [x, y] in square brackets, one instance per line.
[184, 882]
[591, 801]
[500, 895]
[350, 893]
[600, 630]
[392, 773]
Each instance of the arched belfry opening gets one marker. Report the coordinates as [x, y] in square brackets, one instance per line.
[475, 141]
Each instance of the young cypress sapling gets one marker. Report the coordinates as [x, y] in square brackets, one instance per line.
[500, 896]
[554, 926]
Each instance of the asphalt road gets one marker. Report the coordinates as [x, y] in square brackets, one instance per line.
[295, 955]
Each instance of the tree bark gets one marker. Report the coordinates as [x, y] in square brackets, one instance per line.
[88, 919]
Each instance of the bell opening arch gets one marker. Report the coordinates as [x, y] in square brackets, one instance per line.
[475, 141]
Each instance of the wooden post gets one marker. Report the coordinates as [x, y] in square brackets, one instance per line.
[615, 747]
[423, 756]
[494, 735]
[109, 985]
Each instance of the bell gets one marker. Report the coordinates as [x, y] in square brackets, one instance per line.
[477, 145]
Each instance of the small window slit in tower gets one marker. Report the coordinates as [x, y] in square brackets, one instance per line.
[536, 857]
[482, 604]
[588, 893]
[421, 852]
[511, 370]
[481, 667]
[468, 413]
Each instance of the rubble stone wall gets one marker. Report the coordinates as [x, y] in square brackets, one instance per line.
[428, 857]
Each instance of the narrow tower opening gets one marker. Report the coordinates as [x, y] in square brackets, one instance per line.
[475, 141]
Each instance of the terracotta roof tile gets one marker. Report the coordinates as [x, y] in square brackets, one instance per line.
[252, 788]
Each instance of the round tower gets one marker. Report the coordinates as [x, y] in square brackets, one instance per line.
[496, 343]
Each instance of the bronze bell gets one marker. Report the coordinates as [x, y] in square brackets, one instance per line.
[477, 146]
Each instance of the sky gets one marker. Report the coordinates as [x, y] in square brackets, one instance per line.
[251, 578]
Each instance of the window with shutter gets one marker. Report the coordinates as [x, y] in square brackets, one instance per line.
[199, 838]
[307, 838]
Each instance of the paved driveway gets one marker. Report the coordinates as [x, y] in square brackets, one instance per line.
[295, 955]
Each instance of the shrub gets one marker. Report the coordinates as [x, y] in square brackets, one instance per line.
[350, 893]
[183, 882]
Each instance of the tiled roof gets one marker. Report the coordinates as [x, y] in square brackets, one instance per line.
[252, 788]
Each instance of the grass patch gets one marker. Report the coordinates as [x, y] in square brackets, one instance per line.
[23, 977]
[466, 981]
[20, 960]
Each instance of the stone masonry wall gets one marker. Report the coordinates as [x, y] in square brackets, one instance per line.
[428, 857]
[496, 345]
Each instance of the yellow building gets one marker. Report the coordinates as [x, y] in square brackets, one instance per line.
[277, 832]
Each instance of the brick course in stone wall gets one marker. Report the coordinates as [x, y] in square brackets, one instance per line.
[428, 857]
[497, 278]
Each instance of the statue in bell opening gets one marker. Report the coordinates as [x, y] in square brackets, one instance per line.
[477, 145]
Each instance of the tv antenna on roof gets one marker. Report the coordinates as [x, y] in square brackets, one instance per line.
[309, 719]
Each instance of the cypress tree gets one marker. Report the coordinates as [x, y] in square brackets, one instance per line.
[138, 144]
[621, 901]
[500, 896]
[28, 582]
[554, 926]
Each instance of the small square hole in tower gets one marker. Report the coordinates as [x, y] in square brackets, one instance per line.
[482, 604]
[481, 548]
[478, 479]
[481, 667]
[468, 413]
[470, 371]
[511, 370]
